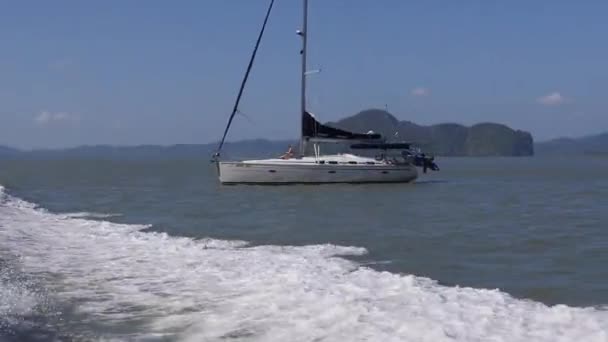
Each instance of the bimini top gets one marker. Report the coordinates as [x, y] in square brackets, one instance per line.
[381, 146]
[311, 128]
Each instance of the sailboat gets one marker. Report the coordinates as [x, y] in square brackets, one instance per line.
[393, 162]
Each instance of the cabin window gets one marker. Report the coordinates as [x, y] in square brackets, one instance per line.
[352, 162]
[370, 163]
[272, 171]
[385, 172]
[332, 162]
[321, 161]
[331, 171]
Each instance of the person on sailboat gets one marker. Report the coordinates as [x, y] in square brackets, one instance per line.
[289, 154]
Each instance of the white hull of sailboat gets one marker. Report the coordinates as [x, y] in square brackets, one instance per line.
[289, 173]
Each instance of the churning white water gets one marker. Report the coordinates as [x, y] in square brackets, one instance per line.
[130, 284]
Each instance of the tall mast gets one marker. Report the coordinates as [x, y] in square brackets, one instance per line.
[303, 33]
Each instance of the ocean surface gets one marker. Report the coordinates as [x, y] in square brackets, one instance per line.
[487, 249]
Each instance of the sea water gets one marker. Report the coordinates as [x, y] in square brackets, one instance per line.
[488, 249]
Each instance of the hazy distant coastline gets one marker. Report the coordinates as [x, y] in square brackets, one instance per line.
[447, 139]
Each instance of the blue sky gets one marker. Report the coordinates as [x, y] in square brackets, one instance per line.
[161, 72]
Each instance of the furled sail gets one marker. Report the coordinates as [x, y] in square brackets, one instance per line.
[311, 128]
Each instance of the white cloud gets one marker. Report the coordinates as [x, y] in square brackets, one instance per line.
[552, 99]
[420, 91]
[46, 117]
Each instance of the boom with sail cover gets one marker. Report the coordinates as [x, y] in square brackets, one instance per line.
[381, 146]
[311, 128]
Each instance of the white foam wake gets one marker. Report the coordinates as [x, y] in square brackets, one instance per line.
[86, 214]
[16, 300]
[212, 289]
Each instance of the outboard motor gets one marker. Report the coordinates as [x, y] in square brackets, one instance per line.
[429, 162]
[421, 160]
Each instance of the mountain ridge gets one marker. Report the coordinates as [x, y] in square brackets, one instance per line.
[444, 139]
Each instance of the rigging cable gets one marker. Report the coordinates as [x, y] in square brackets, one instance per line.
[238, 98]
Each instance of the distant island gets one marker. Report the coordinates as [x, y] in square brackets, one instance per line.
[446, 139]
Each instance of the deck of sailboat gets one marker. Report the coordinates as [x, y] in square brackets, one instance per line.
[329, 161]
[333, 159]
